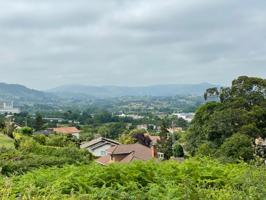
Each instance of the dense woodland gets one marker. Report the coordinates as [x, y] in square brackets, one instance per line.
[222, 160]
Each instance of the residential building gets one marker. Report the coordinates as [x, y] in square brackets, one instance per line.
[126, 153]
[175, 129]
[143, 126]
[186, 116]
[67, 131]
[98, 147]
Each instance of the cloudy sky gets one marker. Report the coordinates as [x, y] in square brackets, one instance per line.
[48, 43]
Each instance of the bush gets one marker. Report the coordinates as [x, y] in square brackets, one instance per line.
[193, 179]
[178, 150]
[40, 138]
[237, 147]
[59, 141]
[31, 155]
[26, 130]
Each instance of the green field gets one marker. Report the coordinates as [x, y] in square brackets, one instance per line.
[6, 141]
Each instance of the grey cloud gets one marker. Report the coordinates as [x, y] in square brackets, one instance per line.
[48, 43]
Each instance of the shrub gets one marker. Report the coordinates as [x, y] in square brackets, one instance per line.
[178, 150]
[238, 146]
[26, 130]
[193, 179]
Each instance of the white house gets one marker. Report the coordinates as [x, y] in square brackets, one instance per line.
[99, 146]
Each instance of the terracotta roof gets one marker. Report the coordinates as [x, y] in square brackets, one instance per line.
[140, 151]
[66, 130]
[104, 160]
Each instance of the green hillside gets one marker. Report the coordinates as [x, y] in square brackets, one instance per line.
[6, 141]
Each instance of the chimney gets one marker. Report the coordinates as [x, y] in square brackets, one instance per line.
[153, 151]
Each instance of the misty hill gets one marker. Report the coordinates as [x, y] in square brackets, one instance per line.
[118, 91]
[21, 94]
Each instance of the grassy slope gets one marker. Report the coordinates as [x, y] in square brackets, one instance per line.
[6, 141]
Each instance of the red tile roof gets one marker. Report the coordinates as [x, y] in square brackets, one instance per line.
[66, 130]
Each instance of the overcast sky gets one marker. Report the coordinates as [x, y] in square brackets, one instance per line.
[47, 43]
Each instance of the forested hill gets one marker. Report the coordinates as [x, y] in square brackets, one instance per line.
[21, 94]
[118, 91]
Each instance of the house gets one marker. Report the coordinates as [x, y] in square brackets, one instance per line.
[154, 139]
[126, 153]
[73, 131]
[186, 116]
[143, 126]
[175, 130]
[98, 147]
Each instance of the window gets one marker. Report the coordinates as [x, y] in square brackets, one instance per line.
[160, 155]
[103, 153]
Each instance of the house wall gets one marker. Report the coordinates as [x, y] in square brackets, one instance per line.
[76, 135]
[118, 158]
[99, 150]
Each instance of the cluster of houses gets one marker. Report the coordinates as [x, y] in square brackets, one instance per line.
[110, 151]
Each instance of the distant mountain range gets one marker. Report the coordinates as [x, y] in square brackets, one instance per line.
[118, 91]
[21, 94]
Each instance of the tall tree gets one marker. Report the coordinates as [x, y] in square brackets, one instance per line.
[242, 109]
[38, 124]
[165, 144]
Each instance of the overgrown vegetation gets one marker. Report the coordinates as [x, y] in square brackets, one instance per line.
[6, 142]
[194, 179]
[40, 151]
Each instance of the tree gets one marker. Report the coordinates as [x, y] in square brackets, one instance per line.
[9, 128]
[238, 146]
[38, 124]
[178, 150]
[26, 130]
[143, 139]
[165, 144]
[126, 138]
[242, 109]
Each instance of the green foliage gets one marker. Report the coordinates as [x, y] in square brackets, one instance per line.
[9, 128]
[206, 149]
[242, 109]
[40, 138]
[34, 153]
[58, 140]
[126, 138]
[193, 179]
[38, 123]
[6, 142]
[165, 144]
[178, 150]
[238, 146]
[26, 130]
